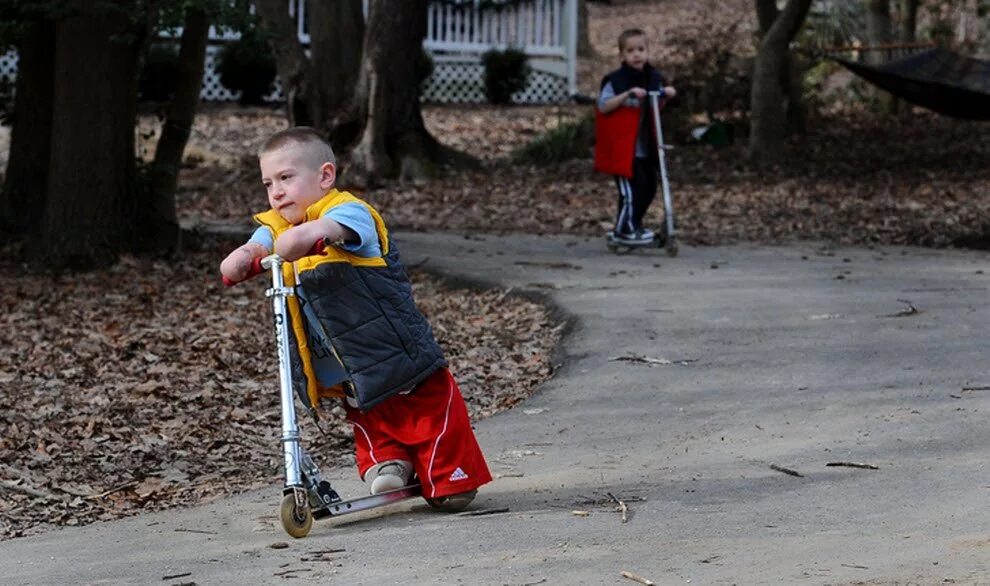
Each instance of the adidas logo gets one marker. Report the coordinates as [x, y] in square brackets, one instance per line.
[458, 475]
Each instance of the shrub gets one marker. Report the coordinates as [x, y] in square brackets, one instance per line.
[247, 65]
[424, 67]
[571, 140]
[506, 72]
[159, 74]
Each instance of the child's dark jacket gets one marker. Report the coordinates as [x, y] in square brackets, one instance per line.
[616, 132]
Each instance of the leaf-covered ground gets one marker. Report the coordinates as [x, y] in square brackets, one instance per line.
[150, 386]
[922, 180]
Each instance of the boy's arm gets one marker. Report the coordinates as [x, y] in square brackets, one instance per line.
[298, 241]
[237, 266]
[610, 101]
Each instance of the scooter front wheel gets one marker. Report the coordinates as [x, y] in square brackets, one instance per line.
[297, 521]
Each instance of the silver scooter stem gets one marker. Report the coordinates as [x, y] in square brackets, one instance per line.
[668, 203]
[291, 447]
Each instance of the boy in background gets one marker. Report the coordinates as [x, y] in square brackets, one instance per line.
[625, 143]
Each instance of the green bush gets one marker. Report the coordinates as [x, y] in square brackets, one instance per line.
[159, 74]
[247, 65]
[506, 72]
[424, 67]
[572, 140]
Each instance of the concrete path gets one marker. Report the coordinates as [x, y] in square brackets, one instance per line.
[683, 383]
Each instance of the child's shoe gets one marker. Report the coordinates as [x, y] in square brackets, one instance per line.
[388, 475]
[627, 238]
[453, 503]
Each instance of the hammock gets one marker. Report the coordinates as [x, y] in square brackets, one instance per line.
[935, 79]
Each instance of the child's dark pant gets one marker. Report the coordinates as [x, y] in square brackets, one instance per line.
[635, 195]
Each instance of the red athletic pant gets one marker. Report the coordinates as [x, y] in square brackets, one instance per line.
[428, 427]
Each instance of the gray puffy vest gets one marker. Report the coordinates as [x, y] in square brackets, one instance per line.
[374, 327]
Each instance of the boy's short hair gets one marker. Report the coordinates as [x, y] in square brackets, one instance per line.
[317, 149]
[628, 34]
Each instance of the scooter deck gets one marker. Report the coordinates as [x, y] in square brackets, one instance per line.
[368, 502]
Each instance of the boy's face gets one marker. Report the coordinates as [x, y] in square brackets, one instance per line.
[634, 52]
[294, 182]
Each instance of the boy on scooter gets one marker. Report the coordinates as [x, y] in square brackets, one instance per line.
[370, 345]
[625, 144]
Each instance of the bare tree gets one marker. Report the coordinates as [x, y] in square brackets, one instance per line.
[317, 88]
[584, 48]
[394, 140]
[22, 200]
[162, 227]
[90, 211]
[879, 33]
[770, 91]
[336, 37]
[908, 21]
[878, 28]
[792, 72]
[290, 59]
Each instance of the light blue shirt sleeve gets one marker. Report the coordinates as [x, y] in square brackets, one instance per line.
[608, 92]
[357, 217]
[263, 236]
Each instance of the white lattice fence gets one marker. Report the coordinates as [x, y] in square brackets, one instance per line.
[8, 66]
[462, 82]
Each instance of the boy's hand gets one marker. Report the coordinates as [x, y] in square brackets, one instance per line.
[669, 92]
[238, 264]
[637, 92]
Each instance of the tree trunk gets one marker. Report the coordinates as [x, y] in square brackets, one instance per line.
[983, 30]
[23, 195]
[766, 14]
[768, 100]
[395, 141]
[162, 229]
[879, 31]
[90, 213]
[584, 48]
[878, 28]
[290, 59]
[336, 32]
[792, 71]
[908, 28]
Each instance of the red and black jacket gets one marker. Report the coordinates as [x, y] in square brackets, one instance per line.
[615, 132]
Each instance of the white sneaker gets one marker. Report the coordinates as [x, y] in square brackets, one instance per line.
[627, 238]
[646, 235]
[388, 475]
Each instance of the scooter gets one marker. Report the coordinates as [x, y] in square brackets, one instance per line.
[305, 495]
[667, 238]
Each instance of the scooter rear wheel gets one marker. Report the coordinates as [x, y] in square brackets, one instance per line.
[295, 520]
